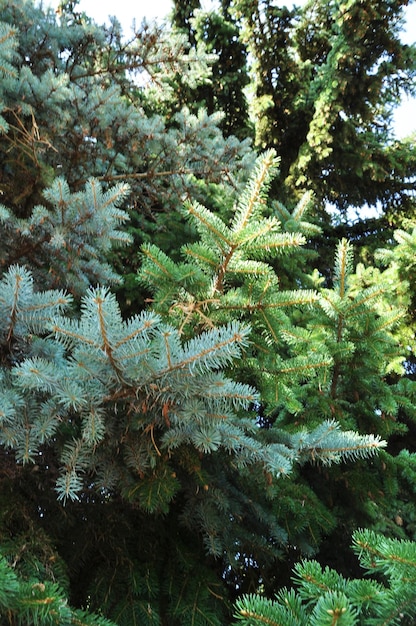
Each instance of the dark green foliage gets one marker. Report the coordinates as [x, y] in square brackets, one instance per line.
[277, 78]
[217, 31]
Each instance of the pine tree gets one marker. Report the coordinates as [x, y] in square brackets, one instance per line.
[218, 32]
[155, 464]
[327, 78]
[81, 101]
[153, 417]
[69, 236]
[316, 356]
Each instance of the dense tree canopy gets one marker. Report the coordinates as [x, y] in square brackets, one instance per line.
[193, 397]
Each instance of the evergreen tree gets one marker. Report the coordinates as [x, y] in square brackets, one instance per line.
[315, 356]
[138, 412]
[327, 78]
[325, 81]
[156, 464]
[82, 101]
[218, 32]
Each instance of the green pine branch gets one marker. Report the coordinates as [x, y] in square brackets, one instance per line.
[323, 596]
[36, 602]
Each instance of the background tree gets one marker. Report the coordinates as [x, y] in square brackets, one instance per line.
[327, 79]
[217, 31]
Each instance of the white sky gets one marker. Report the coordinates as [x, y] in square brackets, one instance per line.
[128, 10]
